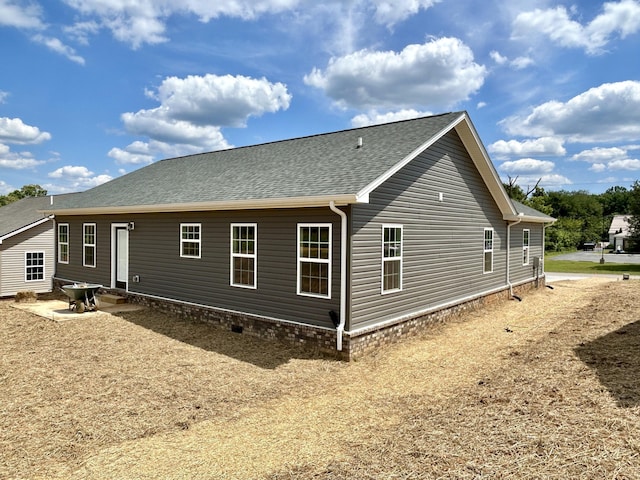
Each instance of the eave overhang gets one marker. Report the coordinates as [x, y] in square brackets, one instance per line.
[251, 204]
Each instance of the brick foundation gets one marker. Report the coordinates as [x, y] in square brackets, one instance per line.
[321, 341]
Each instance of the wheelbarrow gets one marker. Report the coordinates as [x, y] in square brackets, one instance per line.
[82, 296]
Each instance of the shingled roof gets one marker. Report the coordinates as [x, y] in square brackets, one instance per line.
[21, 215]
[343, 167]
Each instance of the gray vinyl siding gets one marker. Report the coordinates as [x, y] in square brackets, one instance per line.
[443, 240]
[519, 271]
[12, 260]
[154, 255]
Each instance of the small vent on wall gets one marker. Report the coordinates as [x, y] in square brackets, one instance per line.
[359, 142]
[236, 328]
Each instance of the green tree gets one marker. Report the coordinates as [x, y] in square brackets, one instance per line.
[31, 190]
[634, 218]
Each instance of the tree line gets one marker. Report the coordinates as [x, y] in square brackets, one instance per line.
[582, 217]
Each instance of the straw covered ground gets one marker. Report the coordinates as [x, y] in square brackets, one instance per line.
[548, 387]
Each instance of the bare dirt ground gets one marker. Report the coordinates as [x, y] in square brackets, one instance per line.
[544, 388]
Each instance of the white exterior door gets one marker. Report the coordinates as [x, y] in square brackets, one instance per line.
[122, 257]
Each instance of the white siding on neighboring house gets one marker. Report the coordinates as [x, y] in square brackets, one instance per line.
[12, 260]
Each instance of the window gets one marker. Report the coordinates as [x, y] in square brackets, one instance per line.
[391, 258]
[525, 247]
[314, 260]
[33, 266]
[89, 244]
[190, 240]
[63, 243]
[488, 250]
[243, 255]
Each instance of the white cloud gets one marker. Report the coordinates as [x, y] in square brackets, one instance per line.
[17, 160]
[143, 153]
[221, 100]
[600, 155]
[626, 164]
[144, 21]
[193, 109]
[547, 181]
[5, 188]
[527, 166]
[14, 130]
[390, 12]
[3, 96]
[439, 73]
[538, 146]
[622, 18]
[13, 14]
[375, 118]
[78, 178]
[598, 167]
[496, 57]
[610, 112]
[521, 63]
[80, 31]
[55, 45]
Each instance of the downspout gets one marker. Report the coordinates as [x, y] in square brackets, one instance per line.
[509, 225]
[343, 274]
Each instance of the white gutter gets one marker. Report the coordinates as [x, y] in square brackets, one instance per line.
[343, 274]
[509, 225]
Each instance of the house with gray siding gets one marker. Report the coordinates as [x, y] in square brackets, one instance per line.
[27, 248]
[340, 241]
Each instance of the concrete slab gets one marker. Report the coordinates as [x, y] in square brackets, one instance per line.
[58, 310]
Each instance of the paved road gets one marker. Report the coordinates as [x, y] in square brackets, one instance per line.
[596, 255]
[591, 257]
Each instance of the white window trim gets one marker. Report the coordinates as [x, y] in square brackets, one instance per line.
[26, 267]
[525, 247]
[63, 243]
[84, 245]
[198, 241]
[253, 255]
[391, 259]
[485, 250]
[314, 260]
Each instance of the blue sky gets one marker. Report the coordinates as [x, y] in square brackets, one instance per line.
[92, 89]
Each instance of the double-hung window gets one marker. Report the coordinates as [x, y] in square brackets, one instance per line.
[314, 260]
[89, 244]
[391, 258]
[525, 246]
[33, 266]
[63, 243]
[488, 250]
[244, 255]
[190, 240]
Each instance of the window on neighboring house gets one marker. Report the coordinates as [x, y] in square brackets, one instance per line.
[525, 247]
[314, 260]
[190, 240]
[243, 255]
[488, 250]
[33, 266]
[391, 258]
[63, 243]
[89, 244]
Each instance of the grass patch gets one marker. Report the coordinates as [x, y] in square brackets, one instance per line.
[569, 266]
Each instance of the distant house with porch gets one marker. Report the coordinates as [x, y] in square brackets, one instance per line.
[619, 233]
[341, 241]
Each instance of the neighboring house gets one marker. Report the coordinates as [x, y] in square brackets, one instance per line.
[619, 233]
[27, 247]
[340, 241]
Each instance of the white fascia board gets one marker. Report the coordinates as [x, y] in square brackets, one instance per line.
[529, 219]
[25, 228]
[253, 204]
[481, 159]
[363, 195]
